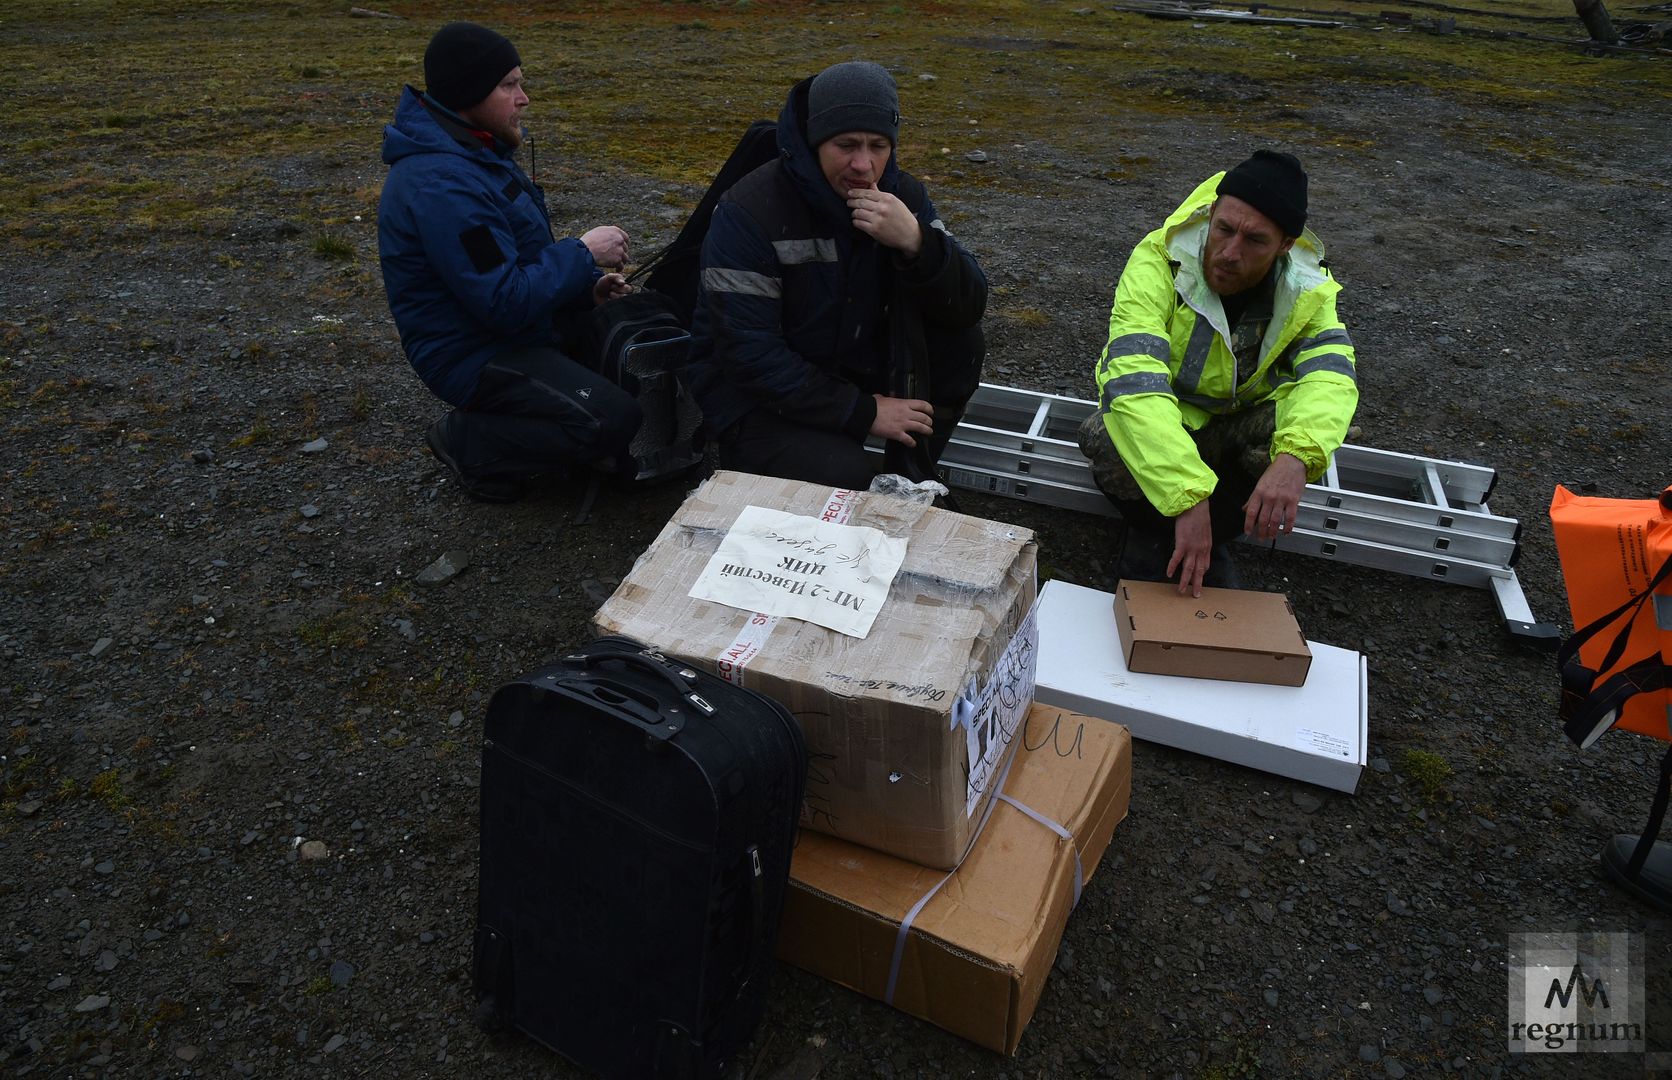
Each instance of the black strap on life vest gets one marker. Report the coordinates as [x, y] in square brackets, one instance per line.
[1588, 709]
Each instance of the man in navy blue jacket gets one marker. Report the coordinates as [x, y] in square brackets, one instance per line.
[479, 289]
[833, 303]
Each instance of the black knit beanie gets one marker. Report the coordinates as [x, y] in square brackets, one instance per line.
[853, 96]
[1273, 183]
[464, 62]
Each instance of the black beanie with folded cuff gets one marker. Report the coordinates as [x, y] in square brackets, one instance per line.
[1273, 183]
[464, 62]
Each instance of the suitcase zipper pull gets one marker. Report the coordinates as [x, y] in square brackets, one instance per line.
[703, 706]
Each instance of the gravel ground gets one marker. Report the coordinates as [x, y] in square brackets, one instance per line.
[241, 729]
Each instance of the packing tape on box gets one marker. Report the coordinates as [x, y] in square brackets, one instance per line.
[904, 933]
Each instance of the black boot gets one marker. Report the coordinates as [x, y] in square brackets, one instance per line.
[1143, 555]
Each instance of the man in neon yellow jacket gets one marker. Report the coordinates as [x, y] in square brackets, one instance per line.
[1228, 379]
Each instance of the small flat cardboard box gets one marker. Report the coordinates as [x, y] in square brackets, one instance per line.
[905, 727]
[976, 959]
[1230, 634]
[1318, 732]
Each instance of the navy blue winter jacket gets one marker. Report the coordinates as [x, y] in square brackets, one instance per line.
[799, 312]
[468, 259]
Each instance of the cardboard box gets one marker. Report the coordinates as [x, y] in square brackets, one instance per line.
[978, 953]
[1228, 634]
[905, 727]
[1318, 732]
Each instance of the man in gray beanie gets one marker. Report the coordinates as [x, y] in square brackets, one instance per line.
[480, 290]
[1228, 380]
[833, 303]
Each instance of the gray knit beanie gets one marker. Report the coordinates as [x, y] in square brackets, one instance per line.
[853, 96]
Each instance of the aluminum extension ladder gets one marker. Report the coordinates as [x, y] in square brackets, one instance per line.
[1413, 515]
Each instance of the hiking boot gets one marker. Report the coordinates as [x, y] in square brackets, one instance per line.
[1143, 555]
[487, 489]
[1222, 571]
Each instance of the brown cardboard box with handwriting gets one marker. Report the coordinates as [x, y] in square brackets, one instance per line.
[906, 726]
[977, 955]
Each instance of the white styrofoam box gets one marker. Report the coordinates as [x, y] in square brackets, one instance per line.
[1318, 732]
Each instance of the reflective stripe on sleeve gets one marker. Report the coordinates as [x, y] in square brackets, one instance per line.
[1154, 346]
[797, 252]
[1138, 382]
[744, 282]
[1329, 361]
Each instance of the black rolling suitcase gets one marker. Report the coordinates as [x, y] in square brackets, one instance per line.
[637, 817]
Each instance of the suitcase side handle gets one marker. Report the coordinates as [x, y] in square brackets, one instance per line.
[679, 677]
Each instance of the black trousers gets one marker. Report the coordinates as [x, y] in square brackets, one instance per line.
[535, 411]
[767, 444]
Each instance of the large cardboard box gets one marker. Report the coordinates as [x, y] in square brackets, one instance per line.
[1318, 732]
[905, 727]
[978, 953]
[1232, 634]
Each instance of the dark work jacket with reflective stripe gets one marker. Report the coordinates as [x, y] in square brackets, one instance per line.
[469, 264]
[802, 314]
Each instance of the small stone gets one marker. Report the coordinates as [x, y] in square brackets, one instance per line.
[341, 972]
[1369, 1054]
[445, 568]
[1308, 803]
[106, 867]
[1271, 998]
[315, 446]
[976, 156]
[1394, 1070]
[105, 962]
[100, 646]
[203, 457]
[92, 1003]
[925, 77]
[250, 837]
[62, 982]
[1380, 764]
[29, 807]
[309, 510]
[334, 1043]
[1396, 905]
[187, 1053]
[1433, 995]
[315, 850]
[599, 589]
[456, 720]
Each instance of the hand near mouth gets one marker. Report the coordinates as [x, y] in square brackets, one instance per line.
[886, 219]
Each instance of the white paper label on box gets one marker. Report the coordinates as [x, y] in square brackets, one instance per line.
[1000, 709]
[1322, 742]
[801, 567]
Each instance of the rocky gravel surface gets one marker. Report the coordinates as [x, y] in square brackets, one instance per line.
[248, 630]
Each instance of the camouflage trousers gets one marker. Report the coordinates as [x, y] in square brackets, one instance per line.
[1236, 446]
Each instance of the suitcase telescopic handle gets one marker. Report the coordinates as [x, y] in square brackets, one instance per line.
[679, 677]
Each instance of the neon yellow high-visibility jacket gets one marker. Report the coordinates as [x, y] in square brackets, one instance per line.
[1168, 368]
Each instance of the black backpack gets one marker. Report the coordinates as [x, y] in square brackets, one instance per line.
[673, 270]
